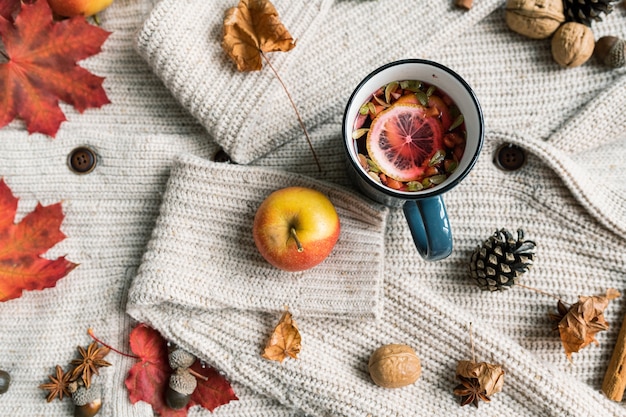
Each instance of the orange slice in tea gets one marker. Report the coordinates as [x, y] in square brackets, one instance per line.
[403, 139]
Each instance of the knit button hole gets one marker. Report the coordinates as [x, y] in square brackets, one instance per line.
[509, 157]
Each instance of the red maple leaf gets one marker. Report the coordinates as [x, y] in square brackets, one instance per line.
[22, 244]
[8, 7]
[147, 380]
[41, 67]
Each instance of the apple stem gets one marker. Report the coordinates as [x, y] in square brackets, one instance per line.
[295, 237]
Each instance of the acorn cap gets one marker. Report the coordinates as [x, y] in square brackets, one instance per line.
[183, 382]
[610, 50]
[85, 395]
[180, 358]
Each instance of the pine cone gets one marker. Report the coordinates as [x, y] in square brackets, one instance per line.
[501, 260]
[586, 11]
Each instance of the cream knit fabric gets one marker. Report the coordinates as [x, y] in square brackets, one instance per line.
[249, 114]
[569, 198]
[202, 255]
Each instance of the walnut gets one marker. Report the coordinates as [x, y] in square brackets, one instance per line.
[537, 19]
[572, 44]
[394, 366]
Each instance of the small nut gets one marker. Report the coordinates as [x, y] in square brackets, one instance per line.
[572, 44]
[537, 19]
[181, 385]
[463, 4]
[87, 401]
[5, 381]
[180, 358]
[394, 366]
[611, 51]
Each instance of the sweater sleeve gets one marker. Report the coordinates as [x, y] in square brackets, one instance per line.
[249, 114]
[202, 255]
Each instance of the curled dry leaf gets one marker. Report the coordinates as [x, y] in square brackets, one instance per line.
[490, 377]
[579, 324]
[284, 341]
[478, 381]
[251, 28]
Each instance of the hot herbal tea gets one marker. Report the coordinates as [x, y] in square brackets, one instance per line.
[409, 135]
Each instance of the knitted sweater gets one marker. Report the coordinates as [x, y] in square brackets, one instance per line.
[160, 232]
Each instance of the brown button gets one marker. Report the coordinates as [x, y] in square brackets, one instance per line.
[509, 157]
[82, 160]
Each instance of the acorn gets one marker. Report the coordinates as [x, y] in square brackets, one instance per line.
[181, 385]
[611, 51]
[87, 401]
[180, 358]
[5, 381]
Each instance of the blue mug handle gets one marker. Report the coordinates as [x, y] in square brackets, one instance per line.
[430, 227]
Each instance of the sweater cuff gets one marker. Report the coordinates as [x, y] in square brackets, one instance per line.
[202, 255]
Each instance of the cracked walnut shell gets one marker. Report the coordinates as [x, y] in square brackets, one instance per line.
[572, 44]
[394, 366]
[537, 19]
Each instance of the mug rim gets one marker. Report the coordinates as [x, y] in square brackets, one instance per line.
[439, 189]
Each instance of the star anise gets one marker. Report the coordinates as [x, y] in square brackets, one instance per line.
[90, 361]
[470, 391]
[58, 385]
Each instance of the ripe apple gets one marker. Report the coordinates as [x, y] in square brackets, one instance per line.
[69, 8]
[295, 228]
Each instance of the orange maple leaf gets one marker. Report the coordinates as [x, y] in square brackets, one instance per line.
[22, 244]
[284, 341]
[251, 28]
[41, 67]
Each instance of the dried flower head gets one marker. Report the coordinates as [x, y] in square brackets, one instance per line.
[89, 363]
[58, 385]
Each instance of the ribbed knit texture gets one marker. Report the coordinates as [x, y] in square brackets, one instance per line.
[202, 255]
[569, 198]
[343, 43]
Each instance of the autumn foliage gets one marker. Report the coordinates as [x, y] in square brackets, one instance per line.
[147, 380]
[285, 340]
[579, 324]
[21, 245]
[252, 28]
[41, 69]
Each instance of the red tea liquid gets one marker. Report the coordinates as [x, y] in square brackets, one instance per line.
[409, 135]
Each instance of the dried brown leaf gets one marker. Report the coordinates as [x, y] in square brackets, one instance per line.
[251, 28]
[579, 325]
[490, 377]
[284, 341]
